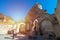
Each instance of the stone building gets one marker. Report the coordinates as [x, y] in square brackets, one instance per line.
[33, 14]
[39, 18]
[58, 11]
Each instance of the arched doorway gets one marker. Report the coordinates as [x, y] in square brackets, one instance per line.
[22, 28]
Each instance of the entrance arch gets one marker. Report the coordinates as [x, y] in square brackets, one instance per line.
[22, 27]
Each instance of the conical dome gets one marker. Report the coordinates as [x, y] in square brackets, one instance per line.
[37, 5]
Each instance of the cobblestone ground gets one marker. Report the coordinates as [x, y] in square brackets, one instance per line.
[20, 37]
[6, 37]
[9, 37]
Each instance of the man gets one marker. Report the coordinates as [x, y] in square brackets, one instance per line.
[14, 33]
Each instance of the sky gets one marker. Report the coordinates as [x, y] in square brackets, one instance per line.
[18, 9]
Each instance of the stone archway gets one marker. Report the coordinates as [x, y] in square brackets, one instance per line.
[43, 25]
[22, 28]
[34, 24]
[34, 29]
[47, 26]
